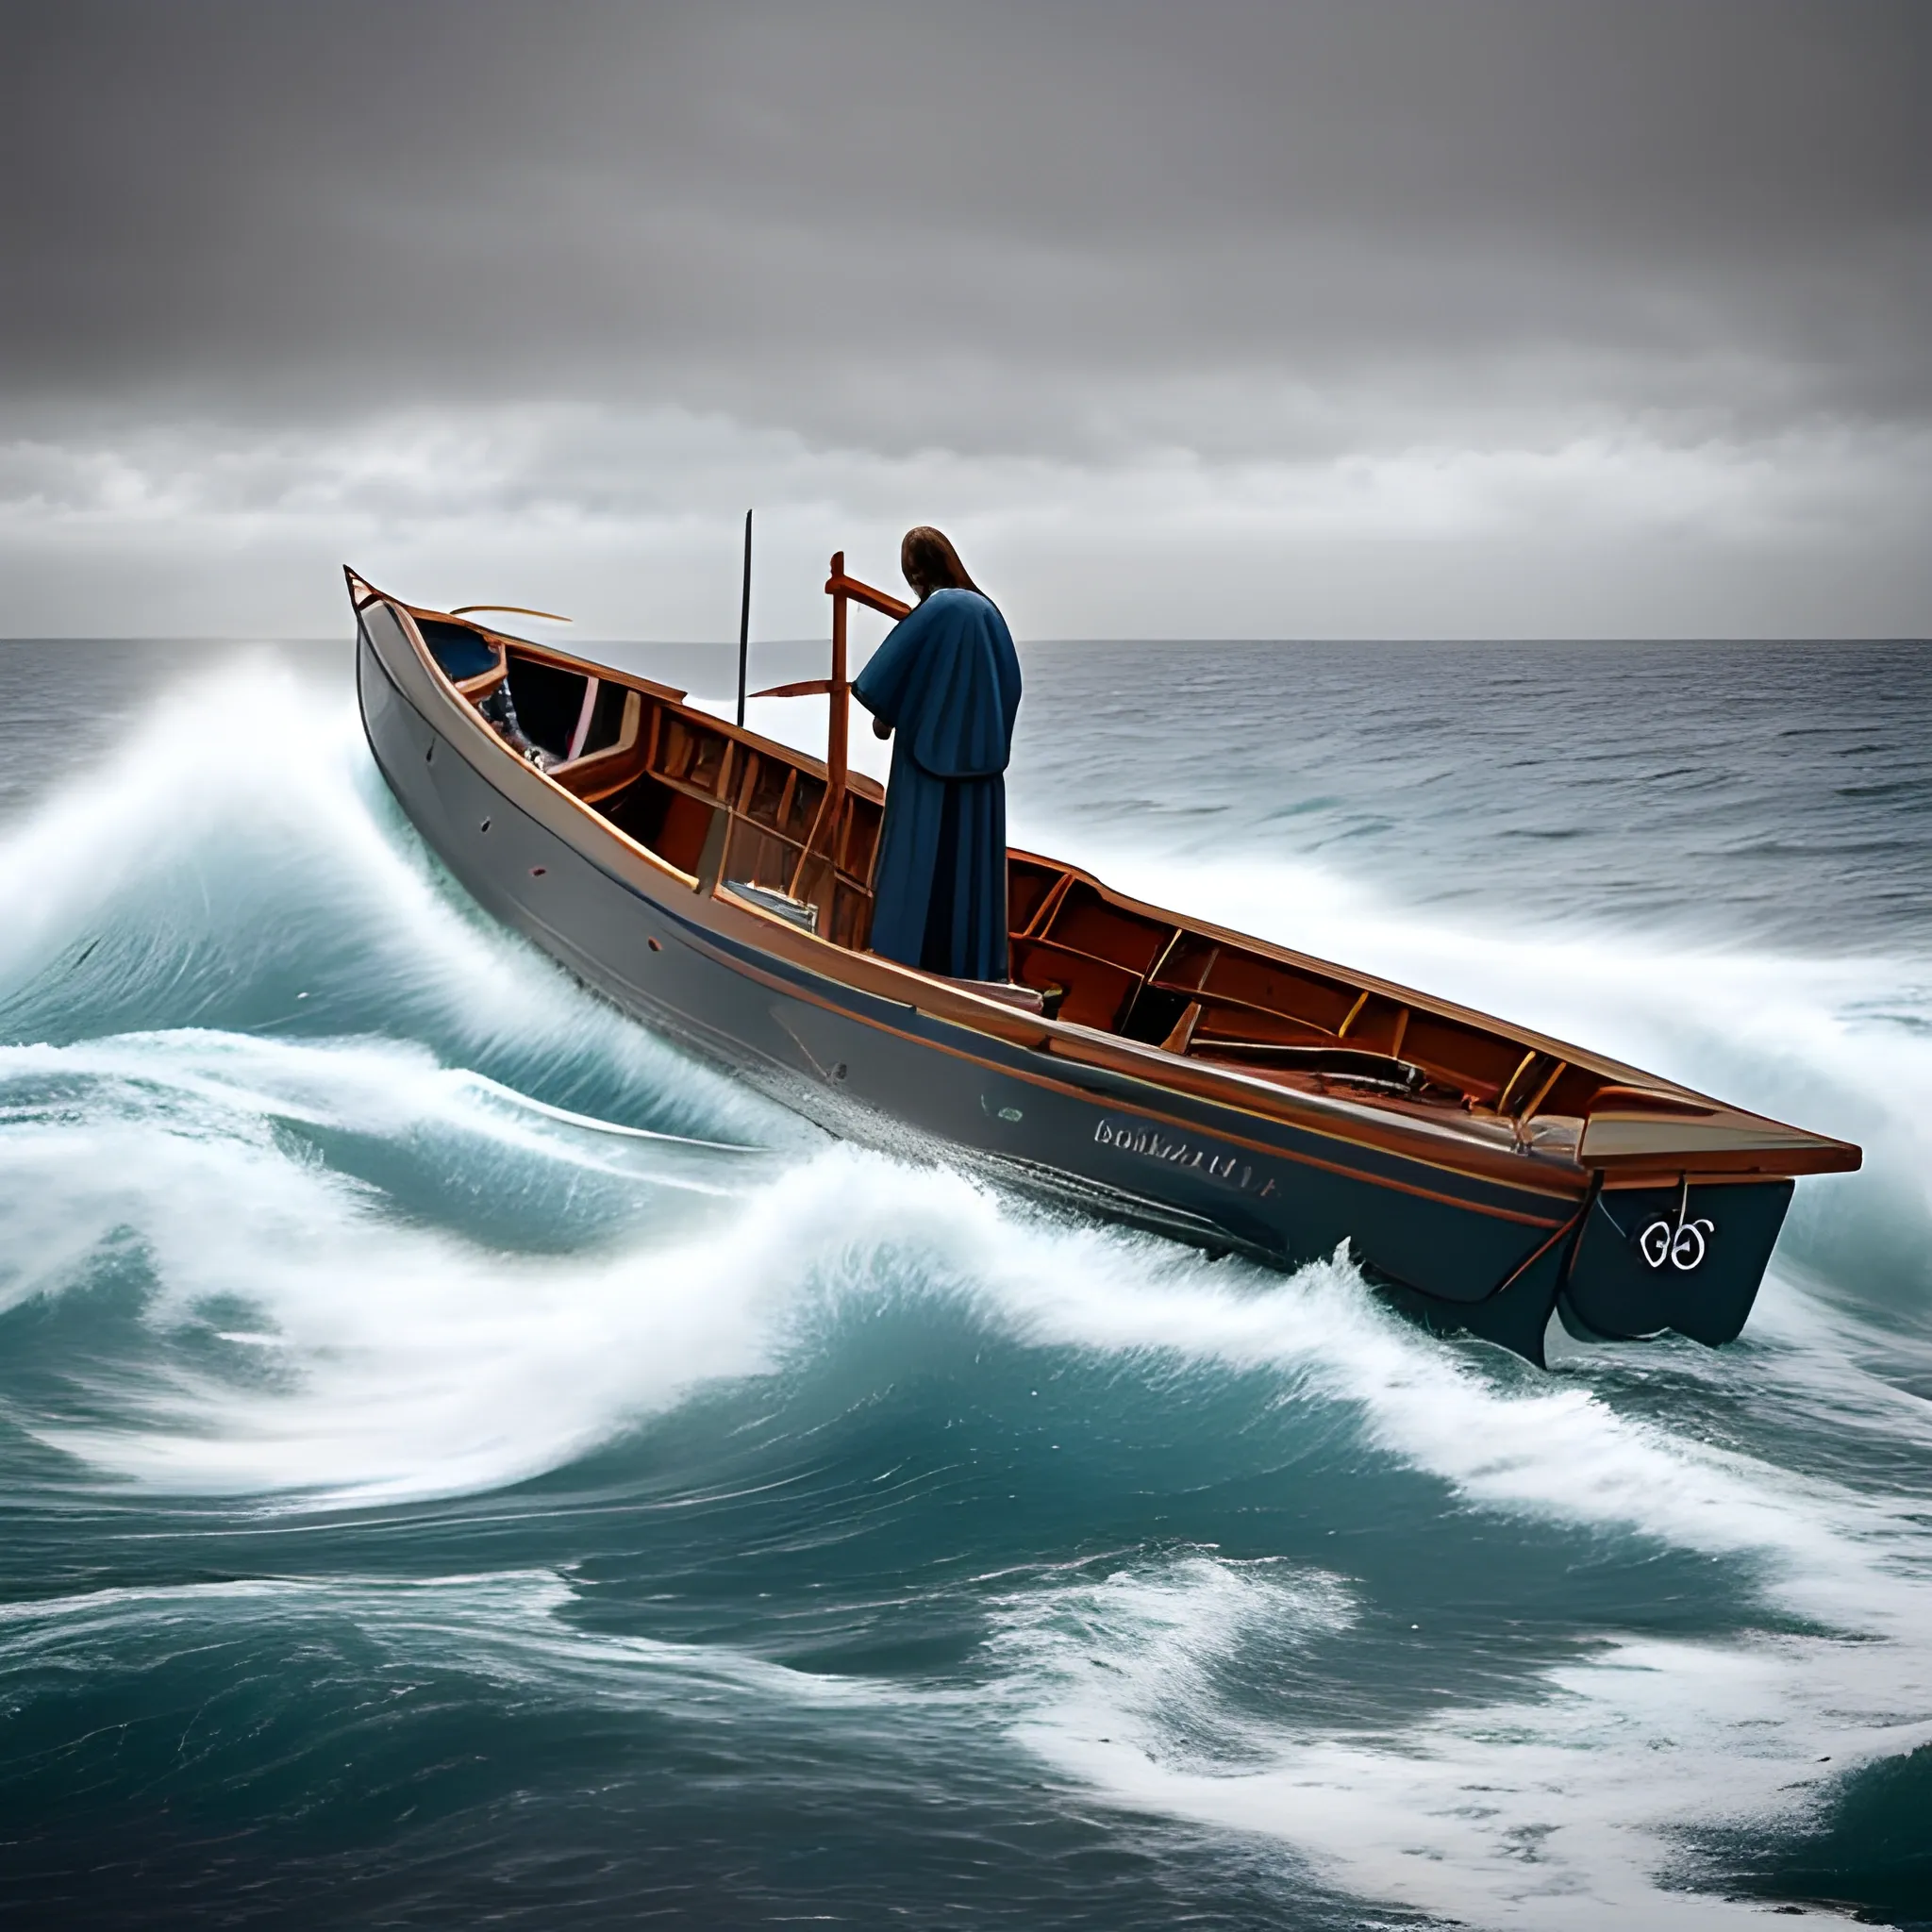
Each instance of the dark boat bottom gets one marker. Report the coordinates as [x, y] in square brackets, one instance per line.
[1516, 1318]
[1630, 1272]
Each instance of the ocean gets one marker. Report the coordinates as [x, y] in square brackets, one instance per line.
[465, 1462]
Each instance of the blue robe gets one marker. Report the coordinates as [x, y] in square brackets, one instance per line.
[947, 681]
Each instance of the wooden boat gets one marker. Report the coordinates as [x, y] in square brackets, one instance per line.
[1144, 1065]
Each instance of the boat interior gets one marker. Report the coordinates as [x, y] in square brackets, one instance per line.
[772, 827]
[660, 771]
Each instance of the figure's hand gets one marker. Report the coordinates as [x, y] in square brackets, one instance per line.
[880, 728]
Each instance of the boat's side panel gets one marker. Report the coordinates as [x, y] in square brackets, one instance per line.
[1258, 1185]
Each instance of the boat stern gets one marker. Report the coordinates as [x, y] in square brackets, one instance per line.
[1688, 1258]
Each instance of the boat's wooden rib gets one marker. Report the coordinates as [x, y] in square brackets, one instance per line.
[1168, 1069]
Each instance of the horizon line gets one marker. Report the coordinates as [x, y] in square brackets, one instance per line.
[820, 643]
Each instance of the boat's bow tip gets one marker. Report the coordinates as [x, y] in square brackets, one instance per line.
[361, 591]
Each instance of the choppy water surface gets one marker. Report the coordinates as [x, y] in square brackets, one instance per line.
[464, 1461]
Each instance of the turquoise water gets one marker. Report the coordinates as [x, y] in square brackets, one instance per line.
[465, 1462]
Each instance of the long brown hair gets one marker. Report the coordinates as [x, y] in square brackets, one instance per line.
[930, 563]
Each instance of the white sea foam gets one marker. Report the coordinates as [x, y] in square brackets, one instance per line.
[1561, 1808]
[408, 1359]
[391, 1090]
[1504, 1436]
[412, 1363]
[428, 1363]
[241, 838]
[243, 762]
[508, 1627]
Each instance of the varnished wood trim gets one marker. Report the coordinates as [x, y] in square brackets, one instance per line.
[839, 585]
[1523, 1066]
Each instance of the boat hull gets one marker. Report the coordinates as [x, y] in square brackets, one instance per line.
[1461, 1251]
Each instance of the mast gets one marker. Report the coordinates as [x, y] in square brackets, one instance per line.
[745, 620]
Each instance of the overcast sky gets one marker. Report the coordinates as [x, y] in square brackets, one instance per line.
[1456, 317]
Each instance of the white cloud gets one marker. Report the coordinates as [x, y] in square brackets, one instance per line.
[629, 520]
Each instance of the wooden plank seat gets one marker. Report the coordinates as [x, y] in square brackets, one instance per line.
[1351, 1066]
[1028, 999]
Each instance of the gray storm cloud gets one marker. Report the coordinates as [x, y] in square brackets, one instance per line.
[1402, 318]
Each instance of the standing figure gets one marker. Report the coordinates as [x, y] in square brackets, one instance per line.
[947, 681]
